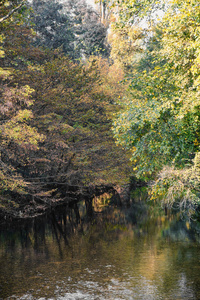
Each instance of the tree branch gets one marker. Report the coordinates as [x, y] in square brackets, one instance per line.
[12, 12]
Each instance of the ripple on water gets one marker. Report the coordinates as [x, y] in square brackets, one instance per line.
[106, 262]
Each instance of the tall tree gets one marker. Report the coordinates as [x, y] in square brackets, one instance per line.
[16, 133]
[160, 120]
[91, 33]
[54, 28]
[73, 26]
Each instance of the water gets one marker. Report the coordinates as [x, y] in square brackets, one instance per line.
[114, 254]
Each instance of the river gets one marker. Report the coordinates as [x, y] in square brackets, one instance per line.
[116, 253]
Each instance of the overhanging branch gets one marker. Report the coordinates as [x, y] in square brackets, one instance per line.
[12, 11]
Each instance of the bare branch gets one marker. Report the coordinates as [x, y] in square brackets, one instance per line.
[12, 12]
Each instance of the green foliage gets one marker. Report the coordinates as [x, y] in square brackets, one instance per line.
[134, 12]
[159, 121]
[89, 31]
[126, 45]
[53, 27]
[72, 27]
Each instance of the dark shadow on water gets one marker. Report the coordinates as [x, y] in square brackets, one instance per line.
[78, 243]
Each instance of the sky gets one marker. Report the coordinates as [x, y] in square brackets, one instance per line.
[91, 2]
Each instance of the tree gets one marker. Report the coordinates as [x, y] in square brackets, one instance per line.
[55, 119]
[126, 45]
[104, 7]
[73, 27]
[55, 123]
[54, 28]
[160, 120]
[12, 9]
[16, 134]
[91, 33]
[73, 107]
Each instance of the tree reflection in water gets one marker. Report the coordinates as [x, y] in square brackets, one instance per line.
[102, 253]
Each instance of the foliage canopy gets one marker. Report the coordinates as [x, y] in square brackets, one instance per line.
[160, 119]
[55, 114]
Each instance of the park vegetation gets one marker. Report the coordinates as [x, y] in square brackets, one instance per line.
[160, 119]
[58, 93]
[78, 100]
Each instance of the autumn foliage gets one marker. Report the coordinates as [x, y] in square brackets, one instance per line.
[56, 115]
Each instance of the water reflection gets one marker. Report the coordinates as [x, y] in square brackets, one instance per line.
[113, 253]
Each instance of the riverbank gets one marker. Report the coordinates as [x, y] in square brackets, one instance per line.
[26, 207]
